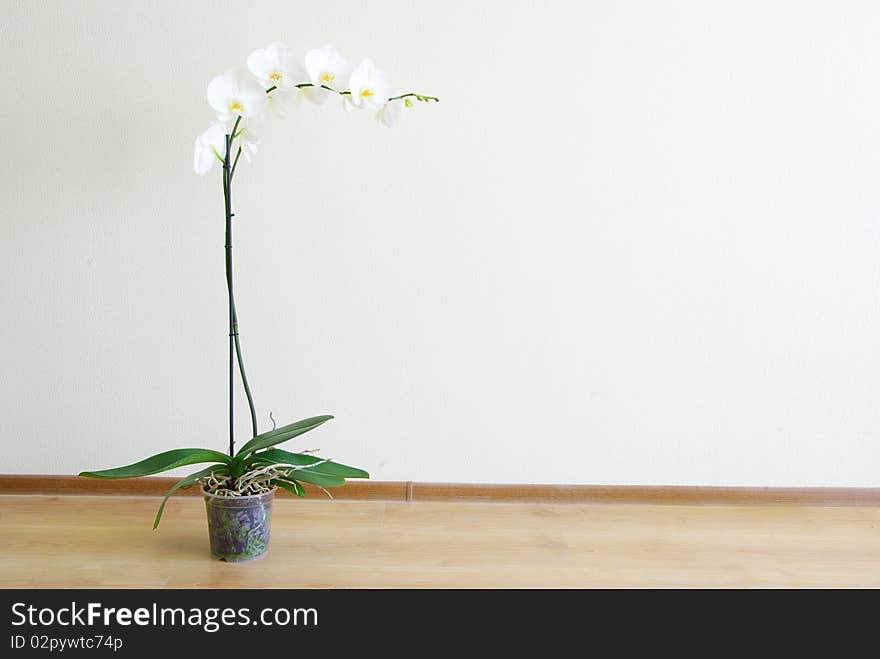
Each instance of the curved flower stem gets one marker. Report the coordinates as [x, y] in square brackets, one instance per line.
[420, 97]
[234, 345]
[244, 380]
[227, 203]
[235, 164]
[301, 85]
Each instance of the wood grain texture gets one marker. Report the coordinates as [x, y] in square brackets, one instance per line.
[413, 491]
[106, 542]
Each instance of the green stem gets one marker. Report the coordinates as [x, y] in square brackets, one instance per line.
[235, 164]
[421, 97]
[234, 343]
[244, 380]
[301, 85]
[310, 84]
[227, 203]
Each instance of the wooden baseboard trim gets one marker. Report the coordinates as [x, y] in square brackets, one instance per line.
[650, 494]
[415, 492]
[159, 485]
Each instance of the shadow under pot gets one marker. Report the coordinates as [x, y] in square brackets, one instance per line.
[239, 526]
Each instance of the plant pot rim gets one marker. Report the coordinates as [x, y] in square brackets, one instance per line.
[207, 494]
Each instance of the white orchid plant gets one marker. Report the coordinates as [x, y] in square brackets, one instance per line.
[275, 82]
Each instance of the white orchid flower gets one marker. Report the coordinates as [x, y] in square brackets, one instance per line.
[281, 102]
[249, 131]
[210, 147]
[275, 66]
[392, 111]
[211, 144]
[369, 86]
[325, 66]
[236, 94]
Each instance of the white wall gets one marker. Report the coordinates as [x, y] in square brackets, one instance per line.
[636, 242]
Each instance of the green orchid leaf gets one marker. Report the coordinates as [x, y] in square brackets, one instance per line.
[303, 459]
[192, 479]
[315, 478]
[161, 462]
[237, 467]
[273, 437]
[290, 486]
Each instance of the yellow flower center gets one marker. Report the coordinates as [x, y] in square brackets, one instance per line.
[366, 93]
[328, 77]
[276, 76]
[236, 106]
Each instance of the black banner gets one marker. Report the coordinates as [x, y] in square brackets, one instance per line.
[124, 623]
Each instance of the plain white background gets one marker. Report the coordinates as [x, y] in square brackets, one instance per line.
[636, 242]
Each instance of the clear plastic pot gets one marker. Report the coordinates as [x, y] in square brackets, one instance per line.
[239, 526]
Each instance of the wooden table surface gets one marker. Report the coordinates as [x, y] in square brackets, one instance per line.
[106, 542]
